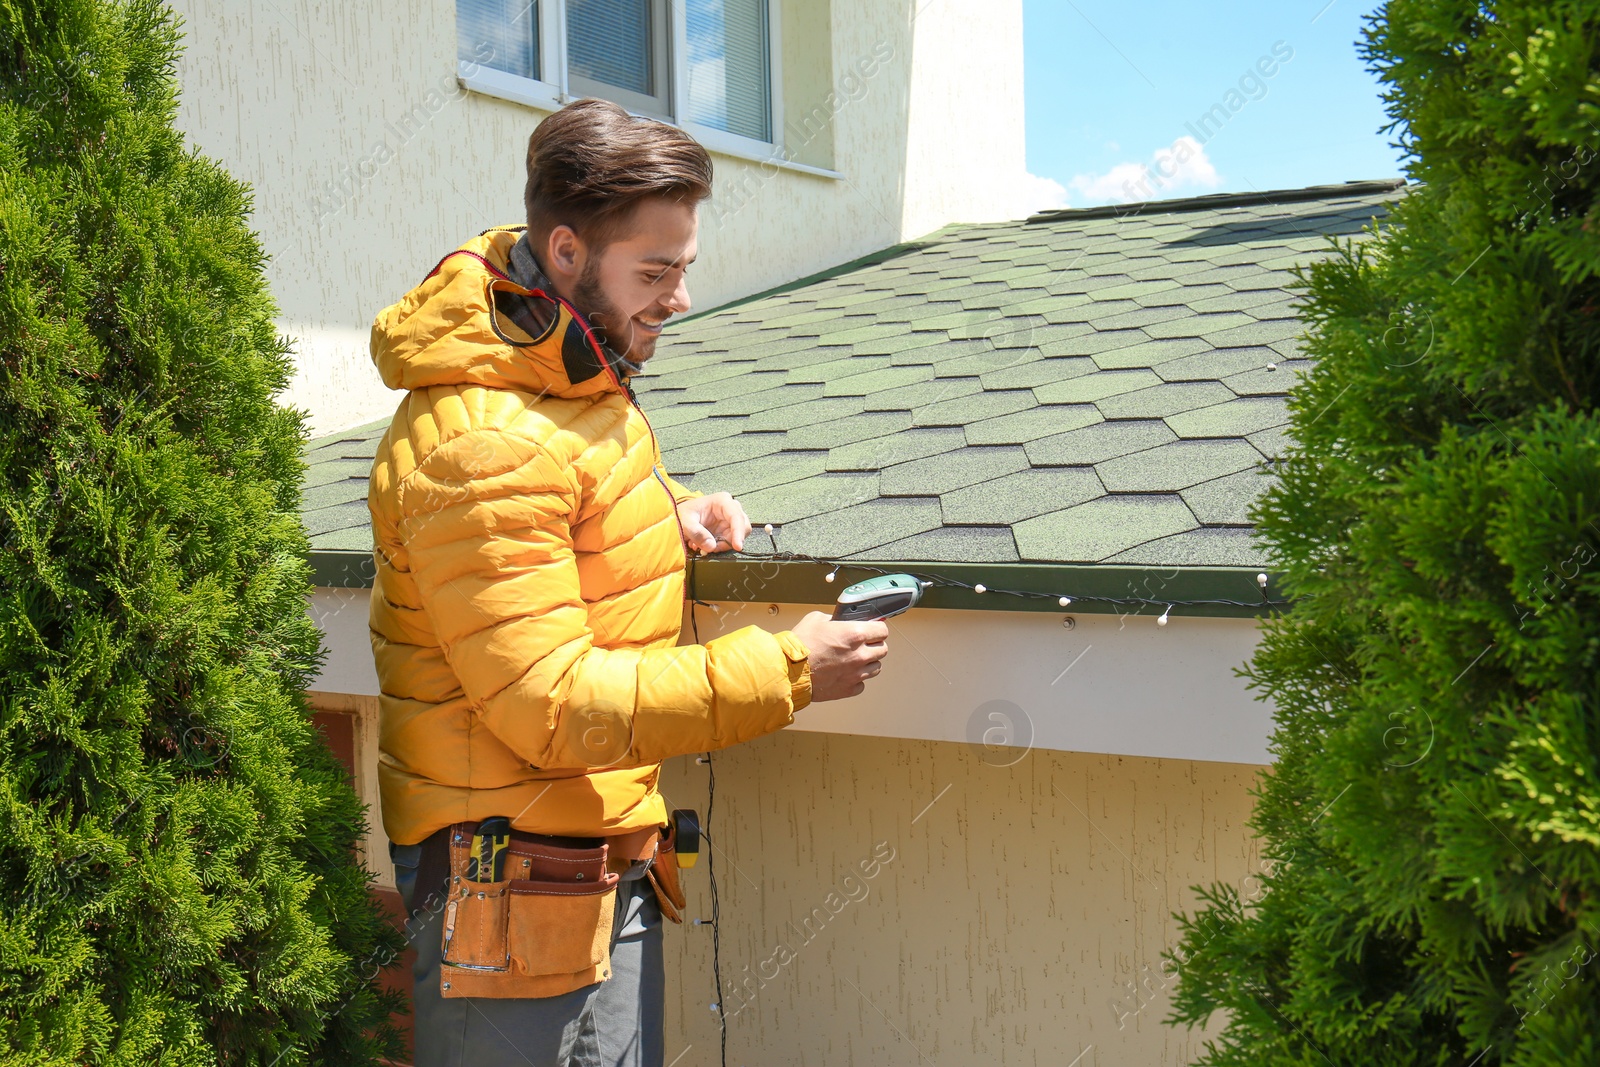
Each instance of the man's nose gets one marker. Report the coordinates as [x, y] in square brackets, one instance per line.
[678, 299]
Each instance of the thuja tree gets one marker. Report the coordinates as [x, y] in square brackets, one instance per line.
[177, 882]
[1431, 889]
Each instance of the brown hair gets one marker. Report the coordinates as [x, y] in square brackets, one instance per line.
[591, 162]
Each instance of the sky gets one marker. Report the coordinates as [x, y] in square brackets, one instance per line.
[1115, 93]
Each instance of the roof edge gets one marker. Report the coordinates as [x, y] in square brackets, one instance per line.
[342, 568]
[732, 578]
[760, 579]
[1216, 200]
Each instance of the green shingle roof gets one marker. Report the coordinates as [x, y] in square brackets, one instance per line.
[334, 503]
[1100, 386]
[1090, 386]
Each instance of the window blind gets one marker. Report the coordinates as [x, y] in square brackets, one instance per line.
[729, 83]
[509, 27]
[610, 41]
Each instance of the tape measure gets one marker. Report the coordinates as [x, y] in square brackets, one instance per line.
[686, 835]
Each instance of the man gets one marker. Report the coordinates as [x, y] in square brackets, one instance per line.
[530, 553]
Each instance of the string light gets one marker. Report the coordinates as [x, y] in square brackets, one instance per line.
[1163, 620]
[945, 582]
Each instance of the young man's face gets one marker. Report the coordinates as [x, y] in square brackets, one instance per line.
[637, 282]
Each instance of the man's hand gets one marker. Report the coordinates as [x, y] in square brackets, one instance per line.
[713, 523]
[843, 654]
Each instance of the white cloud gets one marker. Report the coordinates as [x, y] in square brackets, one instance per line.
[1031, 193]
[1181, 165]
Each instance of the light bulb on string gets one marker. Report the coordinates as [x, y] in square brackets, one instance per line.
[980, 588]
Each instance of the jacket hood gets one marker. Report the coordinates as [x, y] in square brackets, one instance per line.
[487, 316]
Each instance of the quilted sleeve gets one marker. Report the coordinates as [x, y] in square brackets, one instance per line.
[679, 493]
[484, 520]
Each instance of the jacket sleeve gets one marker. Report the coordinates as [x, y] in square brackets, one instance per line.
[485, 525]
[679, 493]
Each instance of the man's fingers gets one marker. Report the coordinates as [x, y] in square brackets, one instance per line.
[737, 524]
[697, 535]
[725, 521]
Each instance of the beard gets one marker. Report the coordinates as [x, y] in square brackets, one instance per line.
[611, 327]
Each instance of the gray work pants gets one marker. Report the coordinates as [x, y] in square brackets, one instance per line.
[614, 1023]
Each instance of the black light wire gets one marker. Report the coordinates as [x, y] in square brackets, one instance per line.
[934, 580]
[716, 904]
[711, 853]
[944, 581]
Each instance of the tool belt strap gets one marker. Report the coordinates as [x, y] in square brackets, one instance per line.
[641, 844]
[638, 844]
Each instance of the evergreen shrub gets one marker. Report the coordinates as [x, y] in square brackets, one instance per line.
[1431, 827]
[177, 877]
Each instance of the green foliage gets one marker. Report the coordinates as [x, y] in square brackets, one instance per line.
[176, 875]
[1432, 825]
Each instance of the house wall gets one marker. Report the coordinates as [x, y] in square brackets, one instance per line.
[965, 135]
[369, 161]
[1016, 914]
[1024, 868]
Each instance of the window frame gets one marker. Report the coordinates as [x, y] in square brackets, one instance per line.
[549, 94]
[661, 56]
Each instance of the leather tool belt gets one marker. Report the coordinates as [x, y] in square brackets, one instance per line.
[545, 928]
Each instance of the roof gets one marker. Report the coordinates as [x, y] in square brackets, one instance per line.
[1095, 387]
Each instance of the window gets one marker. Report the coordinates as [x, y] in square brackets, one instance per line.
[705, 64]
[729, 88]
[501, 34]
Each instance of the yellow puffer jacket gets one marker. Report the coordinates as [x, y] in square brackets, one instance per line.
[529, 589]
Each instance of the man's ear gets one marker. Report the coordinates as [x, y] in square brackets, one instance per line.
[564, 253]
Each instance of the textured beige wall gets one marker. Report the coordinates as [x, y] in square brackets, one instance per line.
[965, 141]
[369, 162]
[1021, 919]
[994, 906]
[889, 901]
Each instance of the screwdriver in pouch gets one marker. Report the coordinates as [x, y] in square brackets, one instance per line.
[487, 861]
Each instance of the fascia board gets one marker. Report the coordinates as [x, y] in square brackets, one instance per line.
[736, 579]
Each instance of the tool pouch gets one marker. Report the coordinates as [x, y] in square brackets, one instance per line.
[663, 875]
[544, 930]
